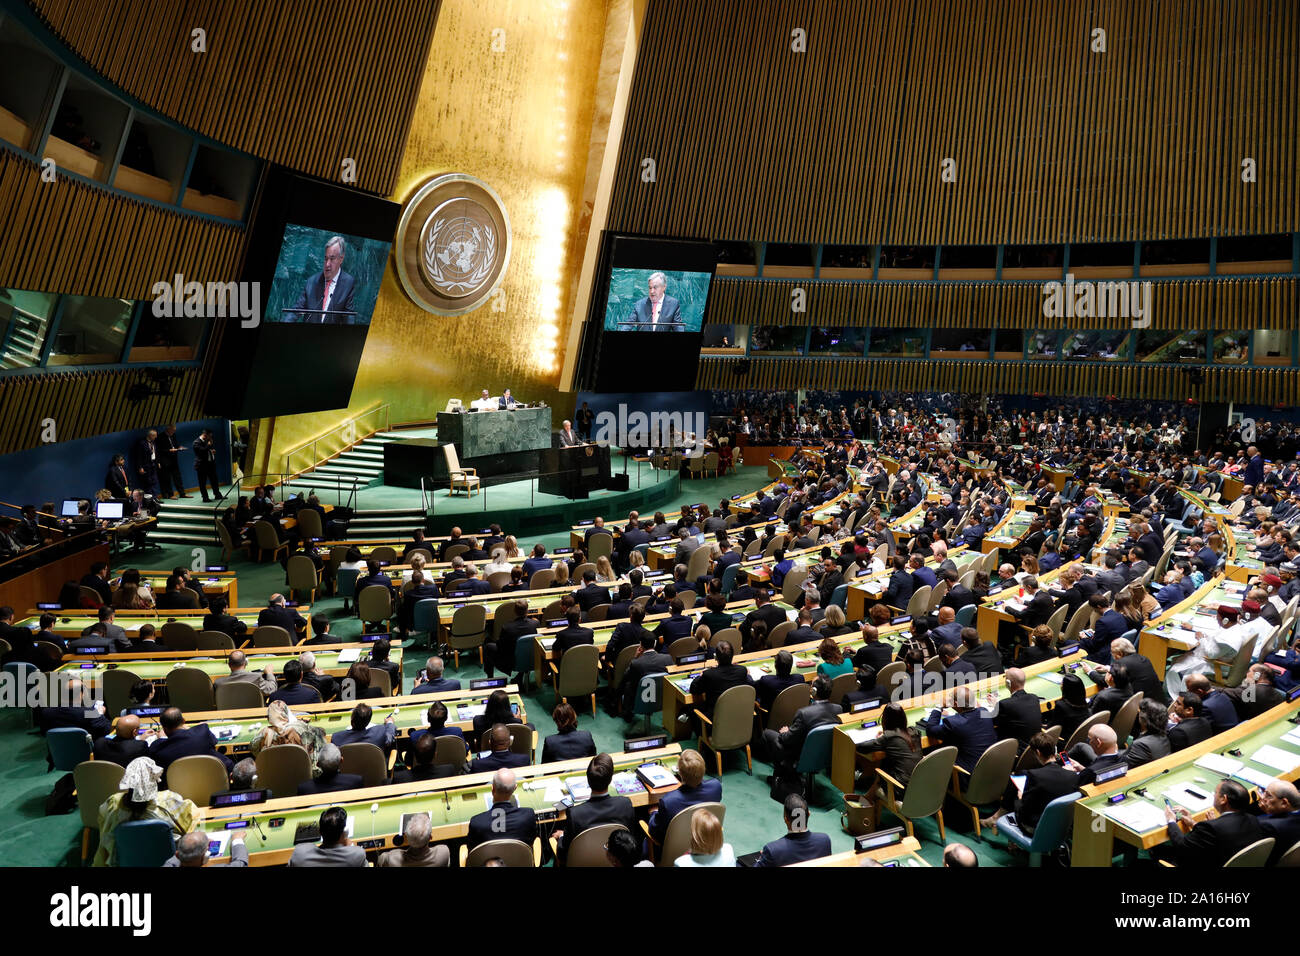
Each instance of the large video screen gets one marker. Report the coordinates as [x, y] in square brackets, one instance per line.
[326, 278]
[655, 300]
[648, 286]
[317, 252]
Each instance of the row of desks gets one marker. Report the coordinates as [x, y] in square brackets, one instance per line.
[70, 624]
[333, 659]
[236, 729]
[375, 813]
[1042, 679]
[1139, 821]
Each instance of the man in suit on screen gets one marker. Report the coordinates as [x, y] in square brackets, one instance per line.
[329, 290]
[657, 312]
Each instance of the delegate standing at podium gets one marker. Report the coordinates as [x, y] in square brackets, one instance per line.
[568, 437]
[329, 290]
[658, 311]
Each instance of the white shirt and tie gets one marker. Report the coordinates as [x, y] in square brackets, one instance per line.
[327, 296]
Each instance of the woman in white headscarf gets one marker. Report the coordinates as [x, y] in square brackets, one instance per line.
[138, 798]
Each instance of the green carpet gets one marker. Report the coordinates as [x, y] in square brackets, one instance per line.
[29, 838]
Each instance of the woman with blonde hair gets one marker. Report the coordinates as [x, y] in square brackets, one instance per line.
[835, 622]
[635, 559]
[416, 561]
[1144, 601]
[707, 846]
[511, 545]
[561, 569]
[605, 571]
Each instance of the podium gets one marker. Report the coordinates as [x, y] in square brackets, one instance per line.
[631, 325]
[573, 472]
[476, 434]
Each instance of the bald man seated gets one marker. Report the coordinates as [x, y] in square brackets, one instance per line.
[192, 850]
[503, 820]
[415, 849]
[959, 856]
[123, 745]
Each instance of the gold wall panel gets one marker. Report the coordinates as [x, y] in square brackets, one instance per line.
[521, 121]
[1052, 142]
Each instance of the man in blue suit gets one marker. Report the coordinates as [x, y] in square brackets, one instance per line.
[362, 732]
[695, 788]
[432, 681]
[799, 843]
[1280, 817]
[501, 756]
[503, 820]
[970, 729]
[1254, 473]
[330, 290]
[179, 741]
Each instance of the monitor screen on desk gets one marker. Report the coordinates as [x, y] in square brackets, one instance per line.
[110, 510]
[70, 508]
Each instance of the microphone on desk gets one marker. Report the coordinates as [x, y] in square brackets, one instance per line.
[258, 826]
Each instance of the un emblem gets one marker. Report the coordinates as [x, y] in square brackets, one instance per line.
[453, 244]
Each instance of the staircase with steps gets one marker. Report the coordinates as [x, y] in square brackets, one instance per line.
[22, 347]
[189, 521]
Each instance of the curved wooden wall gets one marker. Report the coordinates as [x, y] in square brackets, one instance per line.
[1223, 303]
[304, 83]
[88, 403]
[1219, 384]
[71, 237]
[1053, 143]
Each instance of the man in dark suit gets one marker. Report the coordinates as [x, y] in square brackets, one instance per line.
[421, 589]
[147, 462]
[900, 588]
[1099, 754]
[294, 691]
[873, 653]
[591, 594]
[567, 436]
[97, 580]
[432, 681]
[714, 681]
[313, 676]
[981, 655]
[123, 746]
[1279, 818]
[1110, 697]
[647, 661]
[695, 788]
[656, 312]
[1216, 706]
[803, 631]
[178, 740]
[1042, 784]
[1132, 672]
[499, 653]
[424, 749]
[331, 290]
[573, 635]
[331, 780]
[1112, 579]
[1256, 693]
[799, 843]
[969, 728]
[765, 611]
[77, 710]
[1020, 714]
[600, 808]
[275, 614]
[501, 756]
[363, 732]
[1254, 473]
[1038, 606]
[1210, 843]
[785, 745]
[1190, 725]
[958, 595]
[503, 820]
[769, 686]
[961, 669]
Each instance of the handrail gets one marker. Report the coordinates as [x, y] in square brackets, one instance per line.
[341, 429]
[19, 509]
[64, 543]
